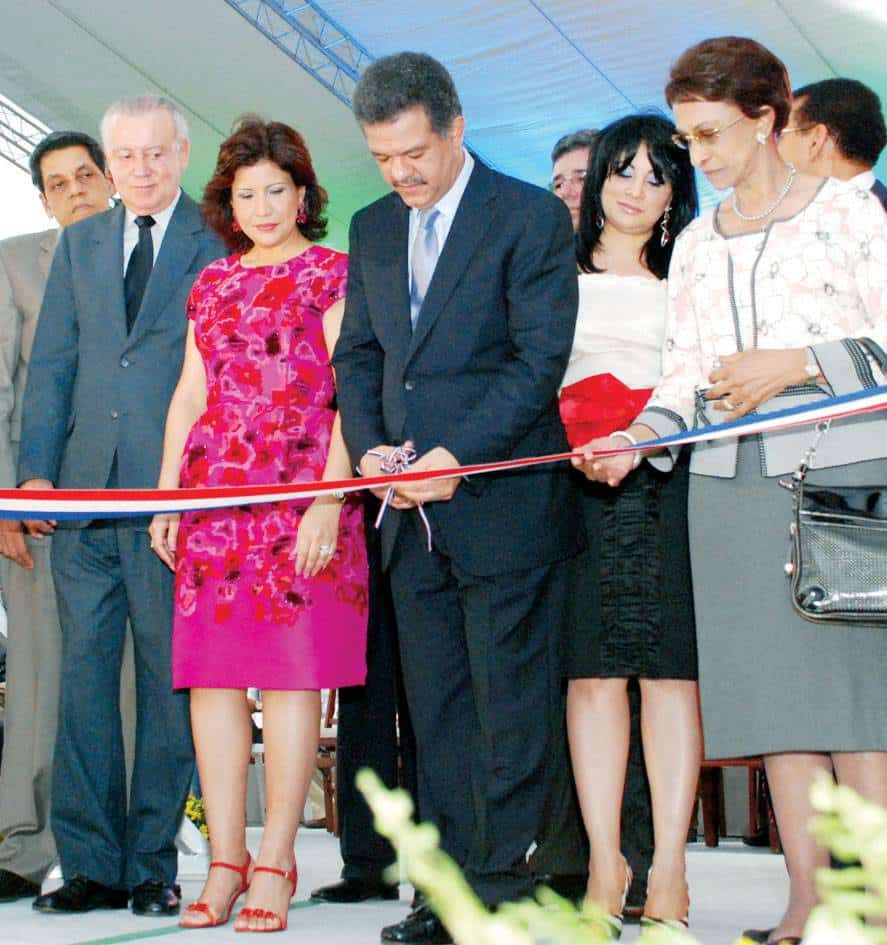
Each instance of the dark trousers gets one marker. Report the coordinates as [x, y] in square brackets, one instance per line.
[371, 717]
[481, 670]
[103, 575]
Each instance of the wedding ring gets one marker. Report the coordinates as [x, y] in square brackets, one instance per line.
[325, 550]
[728, 405]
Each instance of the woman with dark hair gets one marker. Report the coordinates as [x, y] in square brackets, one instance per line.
[633, 607]
[272, 596]
[777, 298]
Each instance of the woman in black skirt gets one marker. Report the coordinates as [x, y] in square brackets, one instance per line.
[633, 604]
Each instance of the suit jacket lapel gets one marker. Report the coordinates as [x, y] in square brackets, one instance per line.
[109, 270]
[469, 227]
[177, 251]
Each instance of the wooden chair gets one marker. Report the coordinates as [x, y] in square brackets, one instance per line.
[711, 796]
[326, 763]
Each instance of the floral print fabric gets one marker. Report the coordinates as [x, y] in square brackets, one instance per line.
[268, 420]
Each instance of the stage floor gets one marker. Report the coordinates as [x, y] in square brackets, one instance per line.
[733, 887]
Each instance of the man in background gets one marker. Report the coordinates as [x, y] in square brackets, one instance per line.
[68, 170]
[836, 129]
[569, 160]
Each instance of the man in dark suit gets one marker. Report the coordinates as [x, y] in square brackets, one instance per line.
[458, 324]
[106, 358]
[836, 129]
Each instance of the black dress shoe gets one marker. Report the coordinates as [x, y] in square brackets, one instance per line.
[420, 927]
[571, 886]
[13, 886]
[80, 894]
[355, 890]
[757, 935]
[154, 897]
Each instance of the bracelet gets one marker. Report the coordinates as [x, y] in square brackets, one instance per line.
[629, 439]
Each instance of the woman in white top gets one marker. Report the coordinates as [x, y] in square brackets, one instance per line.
[633, 613]
[778, 297]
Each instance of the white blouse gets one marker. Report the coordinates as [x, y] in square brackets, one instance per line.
[620, 329]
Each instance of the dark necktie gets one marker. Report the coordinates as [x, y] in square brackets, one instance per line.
[424, 259]
[138, 270]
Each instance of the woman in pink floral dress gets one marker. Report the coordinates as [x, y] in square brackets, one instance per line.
[273, 596]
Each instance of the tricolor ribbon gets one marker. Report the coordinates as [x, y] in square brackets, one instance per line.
[121, 503]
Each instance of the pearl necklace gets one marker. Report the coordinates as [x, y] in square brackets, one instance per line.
[792, 171]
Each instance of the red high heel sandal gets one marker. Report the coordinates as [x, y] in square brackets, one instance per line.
[201, 908]
[291, 876]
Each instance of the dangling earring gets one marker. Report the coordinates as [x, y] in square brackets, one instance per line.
[599, 221]
[666, 236]
[235, 227]
[302, 215]
[762, 138]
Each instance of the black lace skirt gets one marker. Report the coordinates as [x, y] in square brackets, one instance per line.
[632, 601]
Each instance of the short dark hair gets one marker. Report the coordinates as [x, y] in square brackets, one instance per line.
[58, 141]
[736, 70]
[251, 141]
[574, 141]
[852, 113]
[614, 149]
[393, 84]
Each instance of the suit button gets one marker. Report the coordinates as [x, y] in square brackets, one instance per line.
[409, 385]
[125, 362]
[114, 415]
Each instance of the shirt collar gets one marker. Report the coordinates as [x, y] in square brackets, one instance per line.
[161, 218]
[865, 180]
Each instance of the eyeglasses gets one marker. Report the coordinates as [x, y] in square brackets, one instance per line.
[683, 139]
[788, 131]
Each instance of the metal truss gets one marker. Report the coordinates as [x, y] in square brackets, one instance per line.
[19, 134]
[306, 34]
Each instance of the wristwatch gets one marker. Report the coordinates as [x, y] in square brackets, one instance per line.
[812, 366]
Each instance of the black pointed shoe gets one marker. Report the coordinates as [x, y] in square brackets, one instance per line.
[13, 886]
[155, 897]
[80, 894]
[355, 890]
[420, 927]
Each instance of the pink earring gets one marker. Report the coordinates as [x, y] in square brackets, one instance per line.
[235, 227]
[302, 215]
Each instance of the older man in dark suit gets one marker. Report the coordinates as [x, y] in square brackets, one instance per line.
[458, 323]
[106, 358]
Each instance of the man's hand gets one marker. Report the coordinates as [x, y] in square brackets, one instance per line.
[431, 490]
[12, 544]
[747, 379]
[371, 466]
[35, 527]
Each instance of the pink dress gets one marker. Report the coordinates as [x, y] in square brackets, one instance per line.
[242, 617]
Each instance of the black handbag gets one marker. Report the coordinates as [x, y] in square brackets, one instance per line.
[838, 564]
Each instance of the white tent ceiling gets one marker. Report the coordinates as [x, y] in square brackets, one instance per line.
[527, 70]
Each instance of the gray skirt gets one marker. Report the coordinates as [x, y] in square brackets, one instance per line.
[771, 681]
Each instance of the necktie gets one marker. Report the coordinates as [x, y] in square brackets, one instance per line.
[425, 253]
[138, 270]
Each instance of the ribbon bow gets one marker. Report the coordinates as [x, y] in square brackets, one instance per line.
[396, 461]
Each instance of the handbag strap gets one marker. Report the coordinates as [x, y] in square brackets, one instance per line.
[800, 474]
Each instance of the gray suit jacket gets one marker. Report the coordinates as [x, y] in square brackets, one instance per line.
[24, 268]
[93, 390]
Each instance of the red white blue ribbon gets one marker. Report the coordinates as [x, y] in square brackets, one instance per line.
[121, 503]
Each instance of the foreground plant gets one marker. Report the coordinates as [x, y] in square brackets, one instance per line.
[854, 830]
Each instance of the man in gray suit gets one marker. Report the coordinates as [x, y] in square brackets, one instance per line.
[106, 359]
[68, 170]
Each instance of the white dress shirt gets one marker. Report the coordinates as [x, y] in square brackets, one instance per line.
[864, 181]
[158, 231]
[446, 207]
